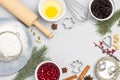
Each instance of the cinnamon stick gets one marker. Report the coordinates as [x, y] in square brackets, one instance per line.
[83, 73]
[71, 77]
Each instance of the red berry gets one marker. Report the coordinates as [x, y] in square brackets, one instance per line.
[48, 71]
[113, 51]
[103, 51]
[101, 43]
[102, 47]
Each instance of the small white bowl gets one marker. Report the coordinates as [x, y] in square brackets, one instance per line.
[113, 9]
[36, 78]
[56, 19]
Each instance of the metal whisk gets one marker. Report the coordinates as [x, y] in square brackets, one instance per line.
[78, 11]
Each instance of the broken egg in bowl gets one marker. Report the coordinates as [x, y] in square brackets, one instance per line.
[51, 10]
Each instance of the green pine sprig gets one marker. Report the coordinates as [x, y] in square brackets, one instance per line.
[105, 26]
[29, 69]
[119, 23]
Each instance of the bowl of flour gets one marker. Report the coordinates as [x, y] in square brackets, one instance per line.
[10, 46]
[16, 45]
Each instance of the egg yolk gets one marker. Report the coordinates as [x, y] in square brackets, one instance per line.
[51, 12]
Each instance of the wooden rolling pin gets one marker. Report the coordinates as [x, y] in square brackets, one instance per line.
[24, 14]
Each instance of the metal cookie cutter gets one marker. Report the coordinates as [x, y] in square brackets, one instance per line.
[107, 41]
[76, 66]
[68, 23]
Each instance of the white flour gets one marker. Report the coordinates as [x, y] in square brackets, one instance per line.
[10, 45]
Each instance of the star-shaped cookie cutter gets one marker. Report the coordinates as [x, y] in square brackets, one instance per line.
[68, 23]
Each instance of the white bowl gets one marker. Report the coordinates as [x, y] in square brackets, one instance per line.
[113, 8]
[36, 78]
[56, 19]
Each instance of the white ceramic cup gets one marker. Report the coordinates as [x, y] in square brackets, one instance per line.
[36, 78]
[61, 2]
[113, 8]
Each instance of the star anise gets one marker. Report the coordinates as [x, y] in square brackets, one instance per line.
[54, 26]
[64, 70]
[88, 77]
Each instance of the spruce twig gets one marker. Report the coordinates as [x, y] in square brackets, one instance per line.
[29, 69]
[105, 26]
[119, 23]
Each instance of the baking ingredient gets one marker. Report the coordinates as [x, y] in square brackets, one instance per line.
[111, 71]
[10, 46]
[102, 66]
[83, 73]
[116, 38]
[51, 9]
[71, 77]
[34, 33]
[64, 70]
[101, 8]
[88, 77]
[54, 26]
[38, 39]
[116, 46]
[48, 71]
[29, 69]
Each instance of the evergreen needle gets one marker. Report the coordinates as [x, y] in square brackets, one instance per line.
[29, 69]
[105, 26]
[119, 23]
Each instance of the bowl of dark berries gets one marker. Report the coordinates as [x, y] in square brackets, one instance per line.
[101, 9]
[48, 70]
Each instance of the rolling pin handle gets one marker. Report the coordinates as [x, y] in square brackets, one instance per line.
[43, 29]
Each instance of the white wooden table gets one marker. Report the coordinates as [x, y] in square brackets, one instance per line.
[68, 45]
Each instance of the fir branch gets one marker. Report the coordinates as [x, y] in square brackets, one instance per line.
[105, 26]
[119, 23]
[29, 69]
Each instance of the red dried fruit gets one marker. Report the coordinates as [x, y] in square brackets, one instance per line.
[101, 8]
[108, 51]
[48, 71]
[101, 43]
[113, 51]
[102, 47]
[103, 51]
